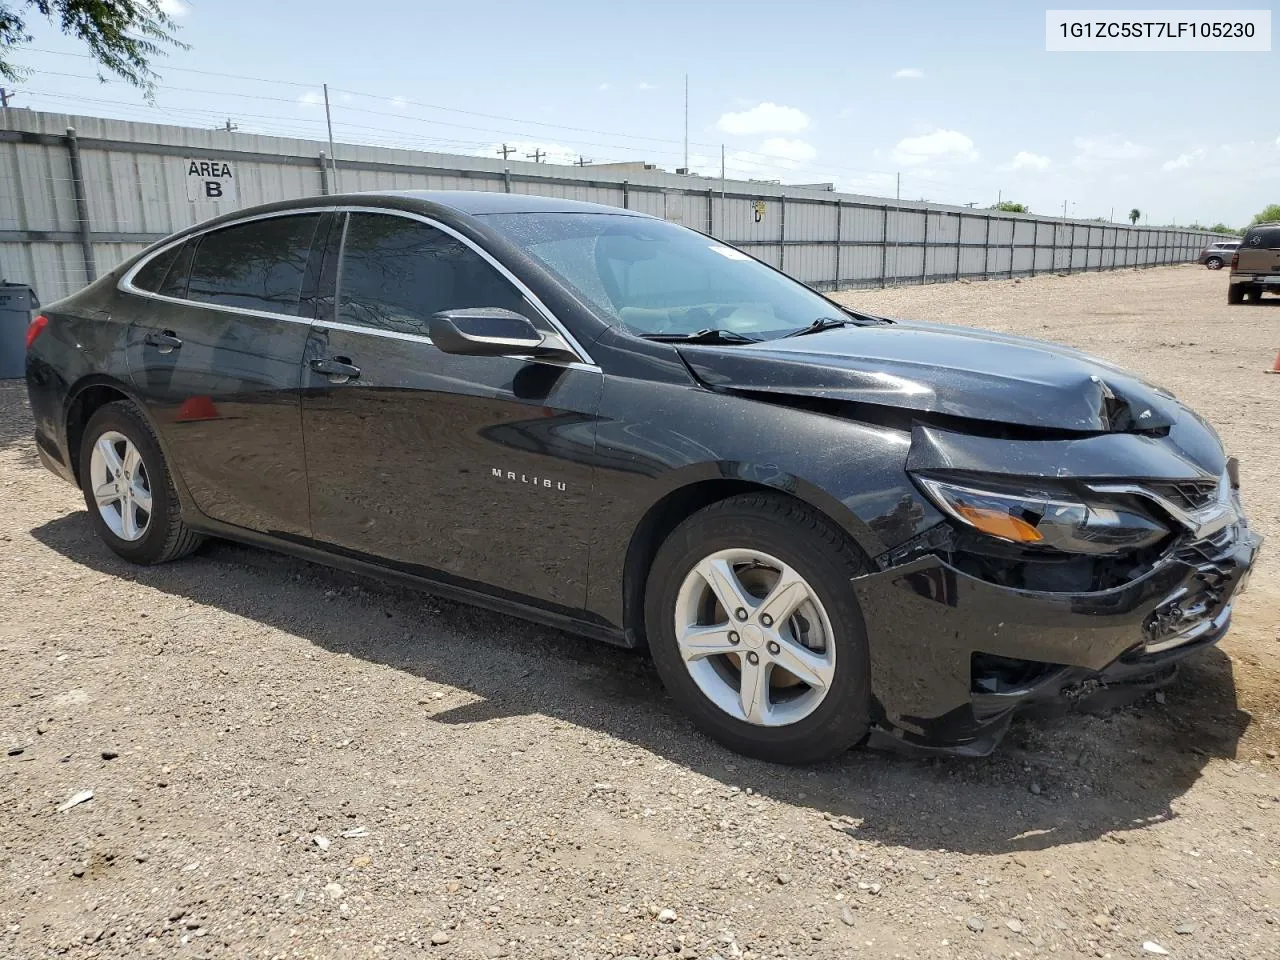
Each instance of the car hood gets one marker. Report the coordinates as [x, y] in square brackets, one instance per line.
[939, 369]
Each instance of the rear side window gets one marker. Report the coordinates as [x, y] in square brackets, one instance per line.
[396, 272]
[1265, 238]
[256, 265]
[175, 281]
[152, 274]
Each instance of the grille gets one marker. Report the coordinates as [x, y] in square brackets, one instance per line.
[1193, 611]
[1186, 494]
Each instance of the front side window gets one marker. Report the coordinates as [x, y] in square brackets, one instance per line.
[396, 272]
[256, 265]
[654, 277]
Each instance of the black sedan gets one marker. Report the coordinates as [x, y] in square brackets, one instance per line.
[825, 526]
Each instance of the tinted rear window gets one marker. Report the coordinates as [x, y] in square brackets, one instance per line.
[1266, 238]
[152, 274]
[256, 265]
[175, 281]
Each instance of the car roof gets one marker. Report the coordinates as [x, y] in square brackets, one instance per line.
[465, 203]
[481, 202]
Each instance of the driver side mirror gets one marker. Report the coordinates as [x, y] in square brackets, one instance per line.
[493, 332]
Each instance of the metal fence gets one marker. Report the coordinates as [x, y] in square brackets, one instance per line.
[79, 195]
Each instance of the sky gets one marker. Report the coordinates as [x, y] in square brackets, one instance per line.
[957, 102]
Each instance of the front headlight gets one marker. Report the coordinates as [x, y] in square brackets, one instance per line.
[1052, 521]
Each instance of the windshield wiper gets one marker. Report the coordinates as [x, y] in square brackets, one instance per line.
[702, 336]
[823, 323]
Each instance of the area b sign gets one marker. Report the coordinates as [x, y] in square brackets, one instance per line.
[210, 180]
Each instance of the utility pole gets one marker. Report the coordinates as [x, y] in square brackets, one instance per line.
[5, 95]
[505, 151]
[582, 161]
[722, 191]
[537, 155]
[328, 119]
[999, 197]
[897, 193]
[1064, 209]
[229, 127]
[686, 122]
[1112, 218]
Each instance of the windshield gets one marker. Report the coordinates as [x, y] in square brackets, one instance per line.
[654, 277]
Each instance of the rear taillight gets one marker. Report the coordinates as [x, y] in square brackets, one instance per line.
[1235, 260]
[36, 328]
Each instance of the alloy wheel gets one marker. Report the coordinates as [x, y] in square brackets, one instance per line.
[755, 637]
[120, 486]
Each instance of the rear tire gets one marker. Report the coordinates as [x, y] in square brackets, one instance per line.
[128, 490]
[1235, 294]
[776, 542]
[1214, 263]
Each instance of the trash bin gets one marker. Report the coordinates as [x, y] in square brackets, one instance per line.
[17, 301]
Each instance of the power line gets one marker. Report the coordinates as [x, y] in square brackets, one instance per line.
[764, 157]
[742, 156]
[207, 73]
[382, 136]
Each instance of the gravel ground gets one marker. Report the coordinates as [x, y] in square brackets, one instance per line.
[287, 761]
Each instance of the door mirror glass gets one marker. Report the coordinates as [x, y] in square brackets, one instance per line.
[486, 332]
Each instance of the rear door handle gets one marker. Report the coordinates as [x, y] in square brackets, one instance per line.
[165, 342]
[338, 369]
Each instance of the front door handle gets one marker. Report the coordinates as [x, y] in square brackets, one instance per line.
[165, 342]
[338, 369]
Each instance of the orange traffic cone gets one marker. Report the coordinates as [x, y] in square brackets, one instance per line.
[1275, 367]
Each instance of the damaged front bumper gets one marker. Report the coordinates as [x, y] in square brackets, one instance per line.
[953, 657]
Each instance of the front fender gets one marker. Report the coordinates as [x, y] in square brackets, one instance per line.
[654, 440]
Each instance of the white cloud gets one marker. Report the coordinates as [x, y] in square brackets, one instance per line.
[941, 146]
[764, 118]
[796, 150]
[174, 8]
[398, 102]
[1025, 160]
[1184, 160]
[909, 73]
[1107, 149]
[315, 98]
[869, 184]
[643, 85]
[603, 87]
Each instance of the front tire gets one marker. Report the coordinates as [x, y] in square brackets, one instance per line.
[128, 490]
[755, 630]
[1214, 263]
